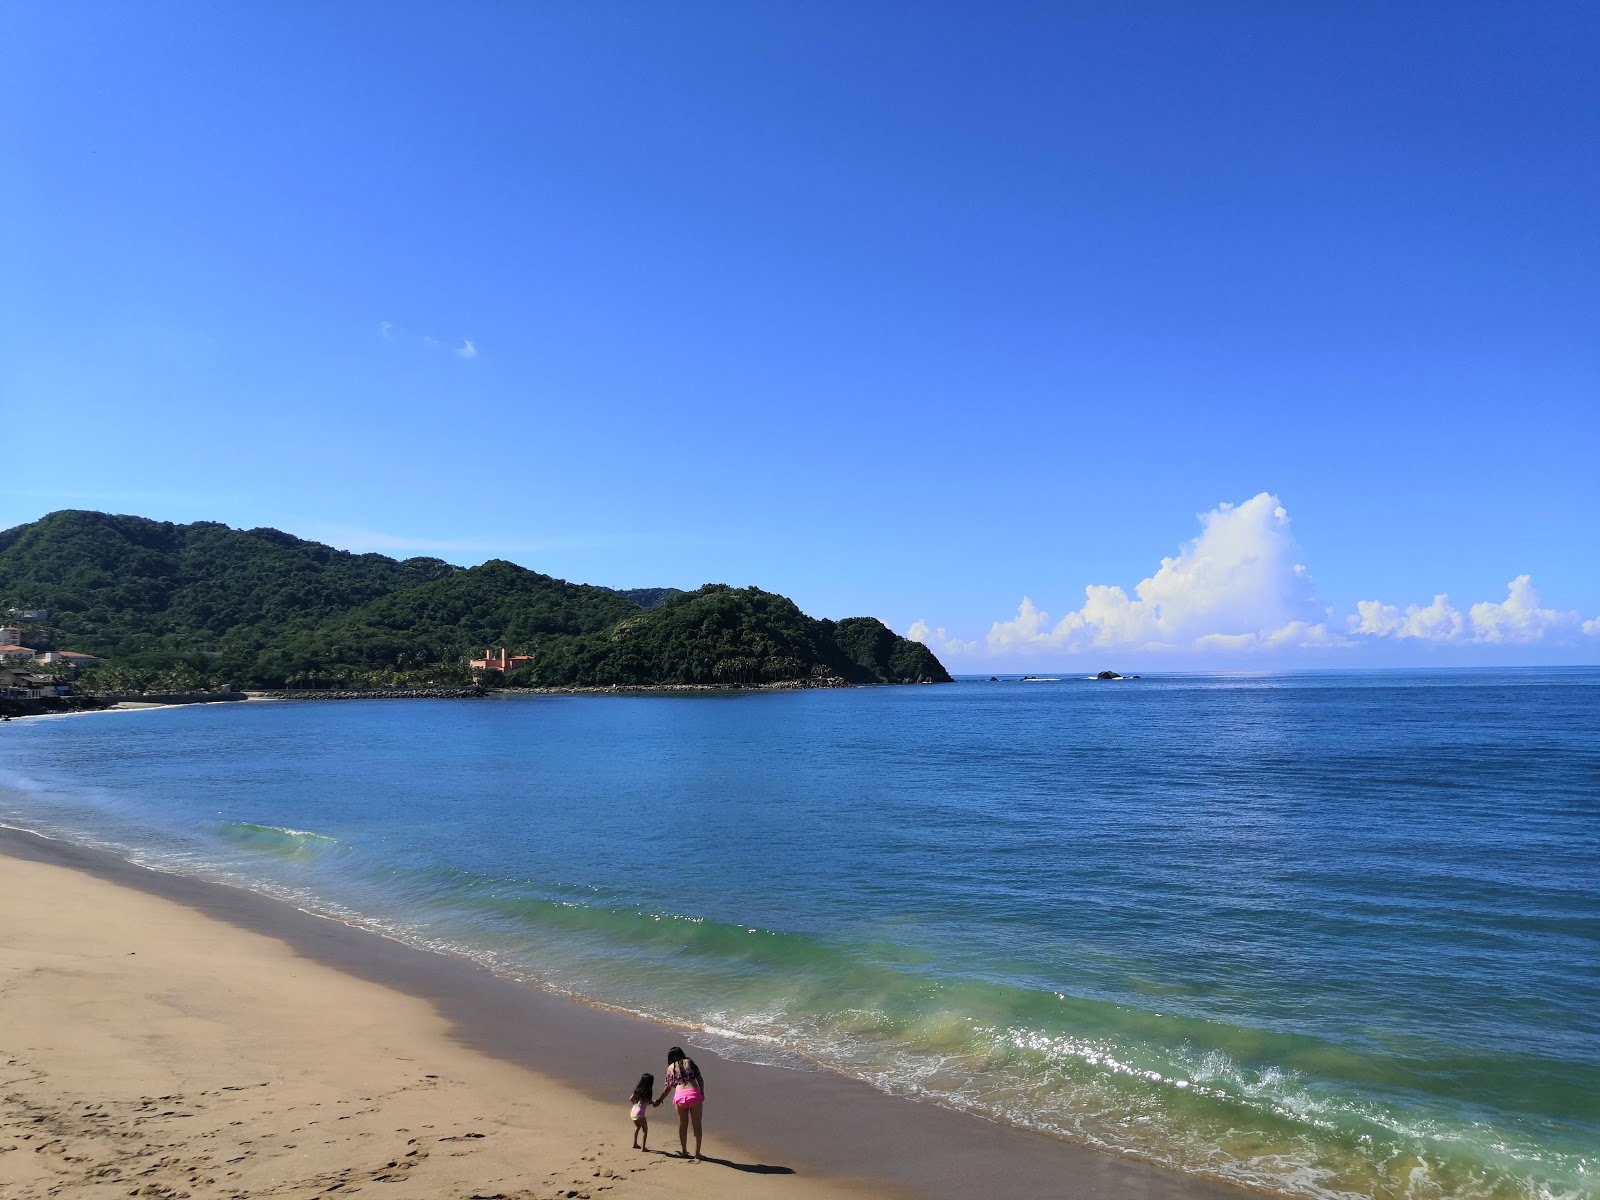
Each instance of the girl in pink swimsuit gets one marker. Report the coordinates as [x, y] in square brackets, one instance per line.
[639, 1110]
[688, 1088]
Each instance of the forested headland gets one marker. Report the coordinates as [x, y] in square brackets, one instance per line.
[260, 608]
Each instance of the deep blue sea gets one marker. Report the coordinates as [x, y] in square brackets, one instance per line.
[1335, 934]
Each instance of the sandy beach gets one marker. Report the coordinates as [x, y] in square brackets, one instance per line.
[166, 1036]
[149, 1050]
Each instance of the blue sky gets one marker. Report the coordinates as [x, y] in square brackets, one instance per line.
[901, 309]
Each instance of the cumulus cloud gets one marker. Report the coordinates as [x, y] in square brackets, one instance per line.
[1235, 587]
[1436, 622]
[466, 349]
[1239, 589]
[938, 640]
[1516, 620]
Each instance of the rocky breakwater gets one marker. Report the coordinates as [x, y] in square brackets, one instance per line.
[421, 693]
[656, 689]
[168, 697]
[50, 704]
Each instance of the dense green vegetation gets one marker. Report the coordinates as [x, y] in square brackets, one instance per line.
[130, 588]
[650, 597]
[259, 608]
[726, 635]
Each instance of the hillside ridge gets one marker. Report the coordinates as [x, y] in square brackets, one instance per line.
[264, 608]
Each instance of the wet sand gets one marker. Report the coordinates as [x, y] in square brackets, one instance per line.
[167, 1036]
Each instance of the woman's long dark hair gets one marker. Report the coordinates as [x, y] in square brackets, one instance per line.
[644, 1089]
[675, 1055]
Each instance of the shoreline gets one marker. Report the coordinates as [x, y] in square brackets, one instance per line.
[477, 692]
[145, 1044]
[121, 706]
[258, 696]
[826, 1128]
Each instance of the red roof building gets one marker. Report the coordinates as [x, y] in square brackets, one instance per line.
[503, 662]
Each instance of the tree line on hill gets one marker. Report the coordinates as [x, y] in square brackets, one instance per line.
[260, 608]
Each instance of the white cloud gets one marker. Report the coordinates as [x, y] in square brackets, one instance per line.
[938, 640]
[1436, 622]
[1375, 618]
[1238, 589]
[1235, 587]
[466, 349]
[1517, 619]
[1226, 641]
[1303, 635]
[1030, 625]
[386, 329]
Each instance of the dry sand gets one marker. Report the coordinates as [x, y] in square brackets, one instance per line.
[163, 1035]
[147, 1049]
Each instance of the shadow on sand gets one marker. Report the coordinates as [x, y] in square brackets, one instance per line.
[748, 1168]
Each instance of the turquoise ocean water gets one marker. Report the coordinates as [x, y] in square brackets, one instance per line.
[1331, 934]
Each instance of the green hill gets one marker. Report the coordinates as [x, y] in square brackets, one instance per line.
[457, 616]
[262, 608]
[726, 635]
[128, 587]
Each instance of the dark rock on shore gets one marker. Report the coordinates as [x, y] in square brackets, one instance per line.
[50, 704]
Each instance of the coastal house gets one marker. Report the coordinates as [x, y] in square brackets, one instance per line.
[503, 662]
[73, 658]
[10, 635]
[13, 653]
[25, 685]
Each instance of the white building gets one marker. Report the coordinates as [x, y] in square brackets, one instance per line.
[71, 657]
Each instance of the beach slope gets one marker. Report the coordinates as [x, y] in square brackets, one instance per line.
[147, 1049]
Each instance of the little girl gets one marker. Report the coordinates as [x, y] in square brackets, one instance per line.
[639, 1110]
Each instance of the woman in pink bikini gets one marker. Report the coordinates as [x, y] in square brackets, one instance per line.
[688, 1090]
